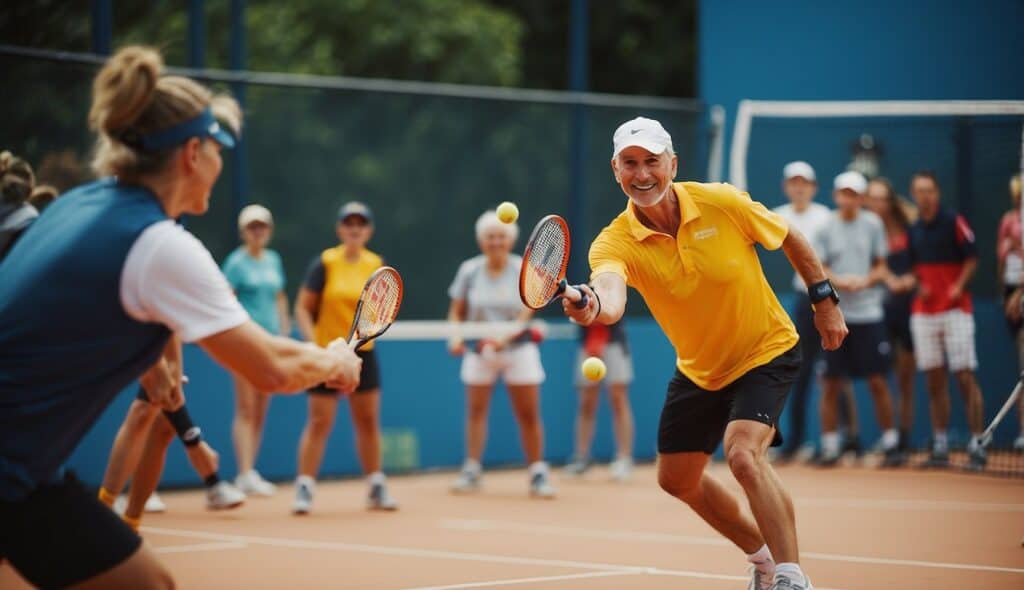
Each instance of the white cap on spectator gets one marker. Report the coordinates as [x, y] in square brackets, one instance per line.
[253, 214]
[642, 132]
[852, 180]
[799, 169]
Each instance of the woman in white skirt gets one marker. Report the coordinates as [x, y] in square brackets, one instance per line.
[486, 289]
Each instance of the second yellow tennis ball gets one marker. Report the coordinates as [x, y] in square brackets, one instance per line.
[594, 369]
[508, 212]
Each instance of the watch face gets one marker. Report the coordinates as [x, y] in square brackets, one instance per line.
[824, 289]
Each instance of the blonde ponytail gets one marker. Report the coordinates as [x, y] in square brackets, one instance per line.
[132, 97]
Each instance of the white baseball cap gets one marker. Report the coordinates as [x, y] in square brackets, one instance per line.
[852, 180]
[253, 214]
[799, 169]
[641, 132]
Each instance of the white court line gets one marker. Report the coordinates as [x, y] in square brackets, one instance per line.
[436, 554]
[883, 504]
[199, 547]
[514, 581]
[539, 529]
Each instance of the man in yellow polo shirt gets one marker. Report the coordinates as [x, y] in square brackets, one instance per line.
[688, 248]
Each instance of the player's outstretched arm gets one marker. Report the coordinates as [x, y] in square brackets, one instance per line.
[828, 318]
[607, 301]
[273, 363]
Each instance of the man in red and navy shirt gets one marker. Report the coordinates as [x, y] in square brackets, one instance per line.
[944, 259]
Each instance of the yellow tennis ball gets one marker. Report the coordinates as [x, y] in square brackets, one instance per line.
[508, 212]
[594, 369]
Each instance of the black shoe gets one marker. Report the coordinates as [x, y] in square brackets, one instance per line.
[894, 458]
[937, 460]
[978, 460]
[852, 446]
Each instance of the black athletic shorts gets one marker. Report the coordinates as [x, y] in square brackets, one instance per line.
[694, 419]
[369, 376]
[61, 535]
[866, 351]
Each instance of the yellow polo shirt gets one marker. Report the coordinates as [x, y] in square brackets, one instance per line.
[705, 286]
[339, 283]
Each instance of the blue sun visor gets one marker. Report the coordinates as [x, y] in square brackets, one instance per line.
[203, 125]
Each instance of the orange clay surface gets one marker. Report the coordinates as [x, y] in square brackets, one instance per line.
[859, 528]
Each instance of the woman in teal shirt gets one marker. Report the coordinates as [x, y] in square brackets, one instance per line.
[256, 274]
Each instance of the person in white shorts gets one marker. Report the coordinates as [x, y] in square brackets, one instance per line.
[609, 344]
[486, 289]
[944, 255]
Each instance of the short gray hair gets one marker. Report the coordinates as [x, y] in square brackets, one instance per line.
[489, 220]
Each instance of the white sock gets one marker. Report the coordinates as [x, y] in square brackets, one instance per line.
[941, 442]
[473, 466]
[791, 571]
[538, 467]
[762, 560]
[376, 478]
[830, 444]
[890, 438]
[306, 481]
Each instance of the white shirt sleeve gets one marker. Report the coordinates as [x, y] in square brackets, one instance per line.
[170, 278]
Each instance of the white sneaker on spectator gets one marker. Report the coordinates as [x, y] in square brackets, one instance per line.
[540, 486]
[223, 496]
[622, 469]
[304, 488]
[1018, 445]
[468, 482]
[380, 499]
[153, 505]
[252, 484]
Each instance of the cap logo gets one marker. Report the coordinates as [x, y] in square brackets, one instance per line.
[214, 127]
[634, 131]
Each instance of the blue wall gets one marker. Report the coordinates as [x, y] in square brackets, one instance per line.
[422, 393]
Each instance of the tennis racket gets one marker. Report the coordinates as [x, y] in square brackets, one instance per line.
[377, 308]
[986, 437]
[542, 276]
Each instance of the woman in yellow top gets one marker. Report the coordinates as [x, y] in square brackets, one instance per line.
[323, 311]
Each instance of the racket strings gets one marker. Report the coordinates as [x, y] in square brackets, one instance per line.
[381, 300]
[544, 263]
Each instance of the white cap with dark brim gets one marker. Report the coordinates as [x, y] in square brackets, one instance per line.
[254, 214]
[641, 132]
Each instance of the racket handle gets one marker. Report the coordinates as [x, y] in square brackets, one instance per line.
[578, 297]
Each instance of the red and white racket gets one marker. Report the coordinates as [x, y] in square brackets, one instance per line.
[377, 308]
[542, 277]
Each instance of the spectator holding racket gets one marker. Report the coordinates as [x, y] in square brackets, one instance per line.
[1010, 258]
[486, 289]
[90, 298]
[609, 344]
[324, 311]
[256, 274]
[688, 248]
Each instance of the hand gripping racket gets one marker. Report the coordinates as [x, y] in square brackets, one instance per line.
[986, 437]
[377, 308]
[542, 276]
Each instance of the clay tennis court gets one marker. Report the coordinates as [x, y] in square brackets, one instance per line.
[860, 529]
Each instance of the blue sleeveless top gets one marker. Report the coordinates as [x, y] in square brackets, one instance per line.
[67, 347]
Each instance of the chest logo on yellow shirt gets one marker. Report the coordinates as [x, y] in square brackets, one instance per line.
[707, 232]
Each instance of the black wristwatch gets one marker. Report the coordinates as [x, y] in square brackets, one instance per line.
[819, 292]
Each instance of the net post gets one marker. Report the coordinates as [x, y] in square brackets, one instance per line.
[964, 166]
[239, 170]
[579, 67]
[102, 26]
